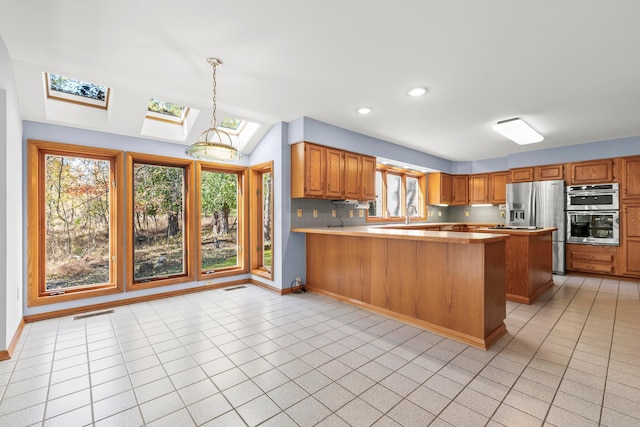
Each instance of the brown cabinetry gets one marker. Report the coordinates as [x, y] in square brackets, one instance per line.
[498, 187]
[439, 188]
[460, 189]
[592, 259]
[479, 188]
[522, 174]
[631, 239]
[548, 172]
[329, 173]
[334, 172]
[592, 172]
[630, 185]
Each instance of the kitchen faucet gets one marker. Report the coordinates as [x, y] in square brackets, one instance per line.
[415, 211]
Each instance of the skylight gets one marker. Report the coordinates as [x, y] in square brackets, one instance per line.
[77, 91]
[167, 111]
[235, 126]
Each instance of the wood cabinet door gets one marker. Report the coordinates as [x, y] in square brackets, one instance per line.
[549, 172]
[314, 163]
[439, 188]
[522, 174]
[631, 238]
[479, 188]
[368, 178]
[460, 189]
[630, 177]
[592, 172]
[334, 172]
[498, 187]
[352, 175]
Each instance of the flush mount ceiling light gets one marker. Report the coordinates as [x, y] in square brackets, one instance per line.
[518, 131]
[363, 111]
[417, 91]
[213, 143]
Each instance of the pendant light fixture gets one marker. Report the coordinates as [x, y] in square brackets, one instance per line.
[213, 143]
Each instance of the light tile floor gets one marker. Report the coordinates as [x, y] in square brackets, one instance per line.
[249, 357]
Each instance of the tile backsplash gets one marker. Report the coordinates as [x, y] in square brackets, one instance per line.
[350, 216]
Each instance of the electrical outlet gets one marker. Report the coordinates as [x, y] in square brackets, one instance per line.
[350, 213]
[439, 213]
[299, 213]
[315, 213]
[333, 213]
[361, 213]
[466, 213]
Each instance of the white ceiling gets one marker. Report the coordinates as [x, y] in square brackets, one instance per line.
[570, 68]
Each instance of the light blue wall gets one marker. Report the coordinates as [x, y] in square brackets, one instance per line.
[11, 218]
[333, 136]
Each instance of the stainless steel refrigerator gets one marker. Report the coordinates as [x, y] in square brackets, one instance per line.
[540, 204]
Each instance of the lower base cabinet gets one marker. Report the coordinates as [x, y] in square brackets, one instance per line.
[593, 259]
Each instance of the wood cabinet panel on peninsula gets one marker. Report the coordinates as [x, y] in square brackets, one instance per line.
[329, 173]
[450, 283]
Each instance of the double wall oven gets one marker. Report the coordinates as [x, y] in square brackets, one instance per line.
[593, 216]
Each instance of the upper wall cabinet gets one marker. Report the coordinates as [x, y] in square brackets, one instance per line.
[630, 185]
[522, 174]
[460, 189]
[439, 188]
[479, 188]
[445, 189]
[593, 172]
[498, 187]
[548, 172]
[328, 173]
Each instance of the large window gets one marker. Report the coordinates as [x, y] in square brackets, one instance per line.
[399, 193]
[262, 220]
[159, 220]
[74, 220]
[222, 221]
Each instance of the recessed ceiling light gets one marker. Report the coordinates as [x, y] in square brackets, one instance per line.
[518, 131]
[417, 91]
[363, 111]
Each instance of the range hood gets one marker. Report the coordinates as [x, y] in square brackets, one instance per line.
[351, 203]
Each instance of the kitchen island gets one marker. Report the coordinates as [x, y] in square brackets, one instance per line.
[529, 260]
[451, 283]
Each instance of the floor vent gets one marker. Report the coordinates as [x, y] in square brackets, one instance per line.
[97, 313]
[234, 288]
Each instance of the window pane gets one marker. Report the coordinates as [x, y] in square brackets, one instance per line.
[158, 223]
[77, 222]
[412, 196]
[375, 206]
[267, 226]
[219, 220]
[394, 183]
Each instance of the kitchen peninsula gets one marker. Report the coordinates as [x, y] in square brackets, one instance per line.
[452, 283]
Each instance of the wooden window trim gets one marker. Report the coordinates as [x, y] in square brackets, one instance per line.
[189, 243]
[255, 200]
[36, 151]
[404, 173]
[243, 224]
